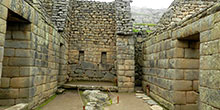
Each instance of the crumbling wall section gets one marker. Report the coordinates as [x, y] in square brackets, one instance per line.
[181, 10]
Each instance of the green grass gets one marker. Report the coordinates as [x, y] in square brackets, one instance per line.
[149, 31]
[83, 98]
[46, 102]
[135, 30]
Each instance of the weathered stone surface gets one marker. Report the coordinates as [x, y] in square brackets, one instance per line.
[5, 82]
[185, 85]
[21, 106]
[9, 93]
[20, 82]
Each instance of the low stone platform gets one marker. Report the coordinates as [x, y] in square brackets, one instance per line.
[91, 85]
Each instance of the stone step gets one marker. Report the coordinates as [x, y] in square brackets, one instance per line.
[89, 87]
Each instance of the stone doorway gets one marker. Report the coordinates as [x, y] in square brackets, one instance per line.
[17, 61]
[189, 47]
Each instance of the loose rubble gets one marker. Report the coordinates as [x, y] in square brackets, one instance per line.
[153, 105]
[96, 99]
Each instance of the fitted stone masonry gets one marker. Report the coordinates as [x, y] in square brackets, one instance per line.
[45, 43]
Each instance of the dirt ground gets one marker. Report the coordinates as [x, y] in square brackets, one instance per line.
[70, 100]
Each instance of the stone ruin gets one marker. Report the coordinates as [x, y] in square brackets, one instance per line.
[45, 43]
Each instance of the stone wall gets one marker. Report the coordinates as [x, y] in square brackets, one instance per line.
[92, 52]
[33, 62]
[124, 46]
[175, 59]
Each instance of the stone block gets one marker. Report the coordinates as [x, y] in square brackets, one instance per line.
[28, 71]
[205, 36]
[196, 86]
[6, 3]
[210, 78]
[128, 84]
[210, 96]
[174, 74]
[191, 74]
[9, 52]
[2, 26]
[10, 71]
[129, 73]
[24, 53]
[21, 35]
[203, 106]
[179, 97]
[1, 54]
[110, 77]
[20, 82]
[21, 105]
[129, 62]
[9, 93]
[185, 85]
[21, 62]
[181, 44]
[24, 93]
[178, 53]
[206, 23]
[211, 47]
[120, 73]
[18, 44]
[189, 107]
[4, 12]
[191, 53]
[187, 63]
[124, 79]
[7, 102]
[2, 39]
[5, 82]
[120, 67]
[1, 69]
[192, 97]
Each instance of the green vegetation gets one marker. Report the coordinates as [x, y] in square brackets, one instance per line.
[149, 31]
[135, 30]
[46, 102]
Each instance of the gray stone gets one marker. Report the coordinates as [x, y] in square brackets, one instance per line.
[22, 106]
[109, 76]
[87, 65]
[151, 102]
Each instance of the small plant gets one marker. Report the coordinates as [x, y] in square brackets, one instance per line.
[135, 30]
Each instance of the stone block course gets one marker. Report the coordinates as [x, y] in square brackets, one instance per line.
[21, 82]
[9, 93]
[185, 85]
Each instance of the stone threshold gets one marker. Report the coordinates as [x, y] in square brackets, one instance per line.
[91, 85]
